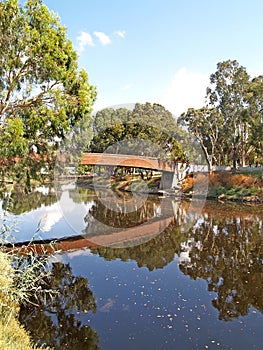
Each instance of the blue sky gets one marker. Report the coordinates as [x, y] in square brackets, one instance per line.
[161, 51]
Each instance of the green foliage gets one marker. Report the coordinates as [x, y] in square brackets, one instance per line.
[229, 128]
[232, 193]
[42, 92]
[250, 172]
[12, 135]
[148, 130]
[29, 268]
[22, 276]
[12, 335]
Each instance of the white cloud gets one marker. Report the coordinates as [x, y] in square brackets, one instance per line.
[127, 87]
[121, 33]
[108, 305]
[187, 89]
[84, 39]
[79, 252]
[52, 216]
[103, 38]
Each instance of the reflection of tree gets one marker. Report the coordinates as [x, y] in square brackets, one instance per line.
[154, 254]
[81, 194]
[119, 216]
[159, 251]
[53, 320]
[227, 252]
[19, 201]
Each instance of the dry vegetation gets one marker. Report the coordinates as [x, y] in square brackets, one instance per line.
[225, 185]
[12, 334]
[227, 179]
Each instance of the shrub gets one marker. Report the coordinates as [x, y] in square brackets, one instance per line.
[12, 334]
[227, 185]
[21, 277]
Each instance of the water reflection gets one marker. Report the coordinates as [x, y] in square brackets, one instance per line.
[88, 216]
[222, 248]
[55, 319]
[225, 249]
[18, 201]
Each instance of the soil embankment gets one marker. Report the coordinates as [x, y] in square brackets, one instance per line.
[225, 185]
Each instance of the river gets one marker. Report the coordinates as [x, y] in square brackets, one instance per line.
[143, 272]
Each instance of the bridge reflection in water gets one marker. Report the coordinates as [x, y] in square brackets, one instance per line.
[205, 274]
[122, 224]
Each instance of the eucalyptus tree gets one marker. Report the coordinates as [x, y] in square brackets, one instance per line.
[206, 125]
[255, 98]
[42, 91]
[141, 128]
[108, 117]
[228, 93]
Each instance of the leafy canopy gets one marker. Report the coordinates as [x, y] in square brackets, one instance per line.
[148, 129]
[229, 127]
[42, 92]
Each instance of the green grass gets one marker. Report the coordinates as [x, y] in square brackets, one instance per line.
[21, 278]
[250, 172]
[12, 335]
[233, 193]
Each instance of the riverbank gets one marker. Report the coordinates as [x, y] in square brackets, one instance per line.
[12, 334]
[223, 185]
[226, 186]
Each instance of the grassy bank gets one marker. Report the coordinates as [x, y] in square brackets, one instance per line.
[12, 335]
[245, 187]
[228, 186]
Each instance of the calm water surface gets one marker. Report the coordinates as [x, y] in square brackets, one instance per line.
[176, 276]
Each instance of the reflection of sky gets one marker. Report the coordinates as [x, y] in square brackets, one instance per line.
[43, 189]
[42, 223]
[64, 218]
[74, 213]
[51, 217]
[70, 255]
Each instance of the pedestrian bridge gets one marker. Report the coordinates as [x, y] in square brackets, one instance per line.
[127, 160]
[172, 172]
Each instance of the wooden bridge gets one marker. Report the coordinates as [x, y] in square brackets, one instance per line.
[172, 172]
[127, 160]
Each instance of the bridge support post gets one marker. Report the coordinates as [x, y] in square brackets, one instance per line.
[167, 180]
[170, 180]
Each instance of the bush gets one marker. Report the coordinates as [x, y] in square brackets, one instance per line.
[12, 334]
[21, 278]
[226, 185]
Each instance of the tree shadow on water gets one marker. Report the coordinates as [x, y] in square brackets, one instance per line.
[53, 320]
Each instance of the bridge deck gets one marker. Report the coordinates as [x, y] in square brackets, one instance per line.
[126, 160]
